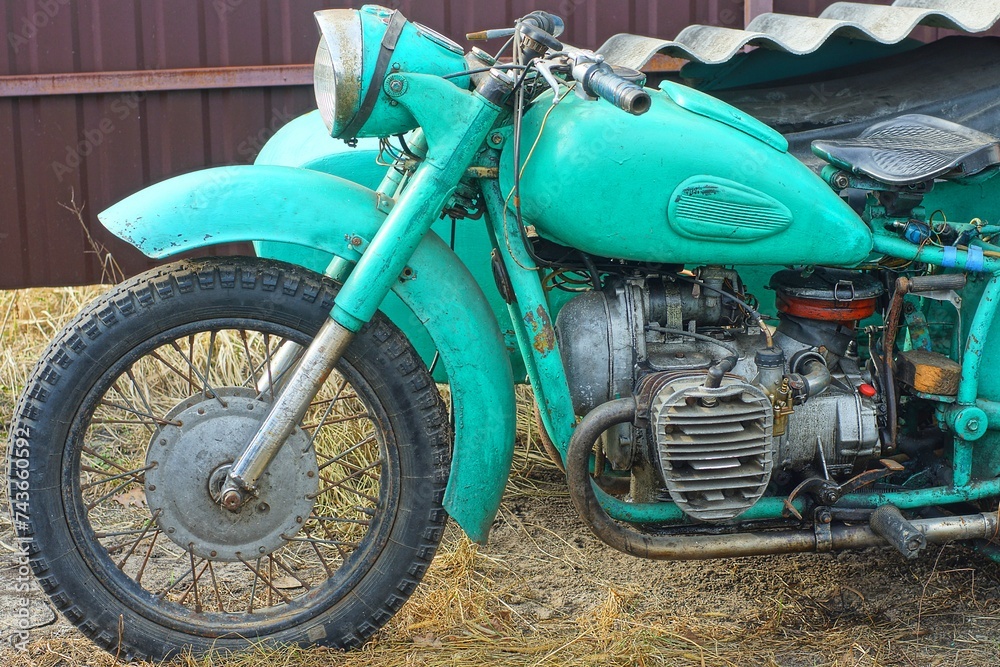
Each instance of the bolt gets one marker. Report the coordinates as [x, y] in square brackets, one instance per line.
[973, 425]
[310, 474]
[213, 554]
[356, 241]
[249, 406]
[396, 86]
[679, 355]
[201, 411]
[496, 139]
[298, 519]
[261, 549]
[152, 487]
[841, 181]
[232, 500]
[263, 507]
[163, 441]
[171, 531]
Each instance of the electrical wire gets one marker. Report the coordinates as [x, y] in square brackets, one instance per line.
[750, 310]
[481, 70]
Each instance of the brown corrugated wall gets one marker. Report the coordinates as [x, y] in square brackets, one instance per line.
[89, 150]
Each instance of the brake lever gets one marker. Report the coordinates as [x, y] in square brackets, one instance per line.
[544, 68]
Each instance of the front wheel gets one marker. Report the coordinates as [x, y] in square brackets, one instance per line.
[126, 430]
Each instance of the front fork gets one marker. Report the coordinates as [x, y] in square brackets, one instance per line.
[449, 152]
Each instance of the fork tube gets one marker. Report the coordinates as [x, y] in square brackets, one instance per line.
[461, 130]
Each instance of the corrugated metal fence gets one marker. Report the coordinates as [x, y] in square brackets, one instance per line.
[129, 92]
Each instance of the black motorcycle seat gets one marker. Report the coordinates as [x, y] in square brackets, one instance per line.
[913, 149]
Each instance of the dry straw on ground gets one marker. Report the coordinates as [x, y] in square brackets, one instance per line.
[545, 592]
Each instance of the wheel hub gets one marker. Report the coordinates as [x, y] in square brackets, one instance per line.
[189, 460]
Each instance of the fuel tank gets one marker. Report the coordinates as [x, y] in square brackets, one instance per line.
[692, 181]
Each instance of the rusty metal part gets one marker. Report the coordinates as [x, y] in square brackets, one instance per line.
[547, 444]
[888, 378]
[828, 492]
[199, 78]
[483, 172]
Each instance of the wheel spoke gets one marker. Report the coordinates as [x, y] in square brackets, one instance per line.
[152, 418]
[130, 407]
[259, 576]
[149, 524]
[215, 587]
[326, 413]
[112, 478]
[252, 380]
[337, 519]
[335, 420]
[91, 505]
[193, 586]
[351, 449]
[145, 560]
[341, 543]
[339, 484]
[209, 389]
[208, 361]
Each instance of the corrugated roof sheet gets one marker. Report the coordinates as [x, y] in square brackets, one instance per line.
[801, 35]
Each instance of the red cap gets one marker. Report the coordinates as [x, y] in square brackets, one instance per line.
[867, 390]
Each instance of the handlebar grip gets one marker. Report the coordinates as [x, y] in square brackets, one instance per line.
[550, 23]
[940, 282]
[601, 81]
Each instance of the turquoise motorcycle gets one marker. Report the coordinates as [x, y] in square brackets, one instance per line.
[230, 450]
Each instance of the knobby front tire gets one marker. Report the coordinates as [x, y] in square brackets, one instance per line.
[141, 399]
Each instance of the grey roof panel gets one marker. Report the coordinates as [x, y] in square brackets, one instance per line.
[800, 35]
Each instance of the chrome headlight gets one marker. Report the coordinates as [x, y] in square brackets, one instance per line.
[352, 54]
[338, 68]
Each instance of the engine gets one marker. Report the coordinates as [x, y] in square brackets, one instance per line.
[728, 409]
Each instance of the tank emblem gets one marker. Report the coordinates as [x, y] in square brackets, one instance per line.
[716, 209]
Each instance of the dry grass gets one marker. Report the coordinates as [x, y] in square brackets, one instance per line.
[547, 594]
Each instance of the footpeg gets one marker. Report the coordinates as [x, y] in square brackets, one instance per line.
[890, 524]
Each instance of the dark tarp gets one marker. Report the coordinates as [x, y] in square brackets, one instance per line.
[957, 78]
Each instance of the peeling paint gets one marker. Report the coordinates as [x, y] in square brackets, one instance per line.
[544, 336]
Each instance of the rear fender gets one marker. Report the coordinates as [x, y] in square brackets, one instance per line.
[313, 210]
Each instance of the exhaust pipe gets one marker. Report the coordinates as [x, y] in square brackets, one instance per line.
[824, 538]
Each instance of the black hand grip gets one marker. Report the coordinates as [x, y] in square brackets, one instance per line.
[938, 283]
[550, 23]
[601, 81]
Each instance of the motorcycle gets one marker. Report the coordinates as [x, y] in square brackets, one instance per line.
[228, 450]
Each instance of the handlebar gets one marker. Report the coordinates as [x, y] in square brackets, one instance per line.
[550, 23]
[601, 81]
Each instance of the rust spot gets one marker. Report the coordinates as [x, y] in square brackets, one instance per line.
[544, 335]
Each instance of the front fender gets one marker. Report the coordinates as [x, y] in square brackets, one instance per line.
[324, 212]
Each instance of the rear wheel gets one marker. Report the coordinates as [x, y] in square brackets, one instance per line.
[127, 427]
